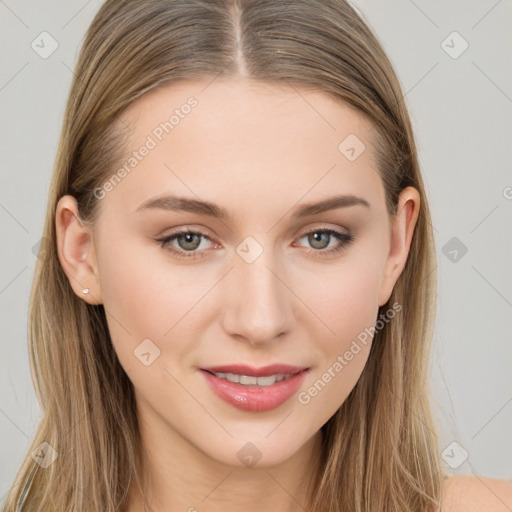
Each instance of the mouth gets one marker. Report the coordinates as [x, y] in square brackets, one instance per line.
[261, 391]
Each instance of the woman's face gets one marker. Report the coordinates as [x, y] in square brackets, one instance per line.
[262, 285]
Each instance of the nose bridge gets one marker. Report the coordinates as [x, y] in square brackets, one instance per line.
[258, 305]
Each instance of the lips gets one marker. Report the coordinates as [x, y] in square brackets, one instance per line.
[255, 398]
[252, 371]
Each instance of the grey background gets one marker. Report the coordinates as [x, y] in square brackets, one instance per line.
[460, 108]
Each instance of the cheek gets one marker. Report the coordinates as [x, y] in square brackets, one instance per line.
[346, 302]
[146, 296]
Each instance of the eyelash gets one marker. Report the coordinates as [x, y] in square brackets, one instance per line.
[343, 238]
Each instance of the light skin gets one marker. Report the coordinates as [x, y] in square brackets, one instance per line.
[260, 152]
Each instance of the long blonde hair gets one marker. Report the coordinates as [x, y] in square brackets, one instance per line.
[380, 450]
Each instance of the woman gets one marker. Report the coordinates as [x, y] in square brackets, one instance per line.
[236, 298]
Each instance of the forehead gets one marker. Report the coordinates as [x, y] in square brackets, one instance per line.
[252, 138]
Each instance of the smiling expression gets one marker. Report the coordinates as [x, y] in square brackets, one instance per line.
[285, 259]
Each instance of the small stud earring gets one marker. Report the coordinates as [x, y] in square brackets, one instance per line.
[85, 290]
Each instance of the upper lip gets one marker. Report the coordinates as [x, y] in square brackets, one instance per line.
[252, 371]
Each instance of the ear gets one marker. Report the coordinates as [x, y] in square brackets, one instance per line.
[76, 251]
[402, 229]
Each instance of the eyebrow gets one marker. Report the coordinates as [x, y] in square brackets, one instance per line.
[175, 203]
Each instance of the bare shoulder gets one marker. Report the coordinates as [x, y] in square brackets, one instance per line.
[474, 494]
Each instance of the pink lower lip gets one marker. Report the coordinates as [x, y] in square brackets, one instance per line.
[255, 398]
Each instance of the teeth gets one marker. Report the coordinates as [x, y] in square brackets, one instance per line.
[253, 381]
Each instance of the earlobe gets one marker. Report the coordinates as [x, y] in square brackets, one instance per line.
[402, 230]
[76, 251]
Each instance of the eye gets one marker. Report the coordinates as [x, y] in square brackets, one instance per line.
[321, 238]
[188, 241]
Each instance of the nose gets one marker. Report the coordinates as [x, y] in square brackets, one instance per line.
[258, 304]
